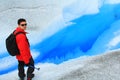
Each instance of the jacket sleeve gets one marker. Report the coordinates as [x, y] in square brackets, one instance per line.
[23, 47]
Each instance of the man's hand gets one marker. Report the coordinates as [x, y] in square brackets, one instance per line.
[27, 64]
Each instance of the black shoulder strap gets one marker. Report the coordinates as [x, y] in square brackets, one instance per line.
[18, 33]
[22, 33]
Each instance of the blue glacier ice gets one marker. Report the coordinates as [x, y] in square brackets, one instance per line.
[77, 39]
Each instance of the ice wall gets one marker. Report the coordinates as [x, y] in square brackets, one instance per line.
[61, 30]
[79, 38]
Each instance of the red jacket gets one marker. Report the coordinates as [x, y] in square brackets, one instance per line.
[23, 46]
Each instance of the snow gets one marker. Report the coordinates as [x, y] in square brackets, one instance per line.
[99, 67]
[54, 27]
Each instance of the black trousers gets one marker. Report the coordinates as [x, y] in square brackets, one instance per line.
[30, 70]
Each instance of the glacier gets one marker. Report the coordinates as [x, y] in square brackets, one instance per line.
[60, 32]
[80, 36]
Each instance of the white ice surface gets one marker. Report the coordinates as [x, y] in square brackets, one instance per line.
[100, 67]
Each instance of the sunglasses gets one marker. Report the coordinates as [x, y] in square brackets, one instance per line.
[23, 24]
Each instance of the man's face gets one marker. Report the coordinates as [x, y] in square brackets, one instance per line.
[23, 25]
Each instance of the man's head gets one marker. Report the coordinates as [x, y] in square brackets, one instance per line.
[22, 23]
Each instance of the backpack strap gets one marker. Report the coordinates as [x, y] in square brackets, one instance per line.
[22, 33]
[18, 33]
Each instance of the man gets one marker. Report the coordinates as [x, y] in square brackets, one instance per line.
[25, 57]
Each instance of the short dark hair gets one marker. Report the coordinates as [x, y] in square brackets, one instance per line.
[21, 20]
